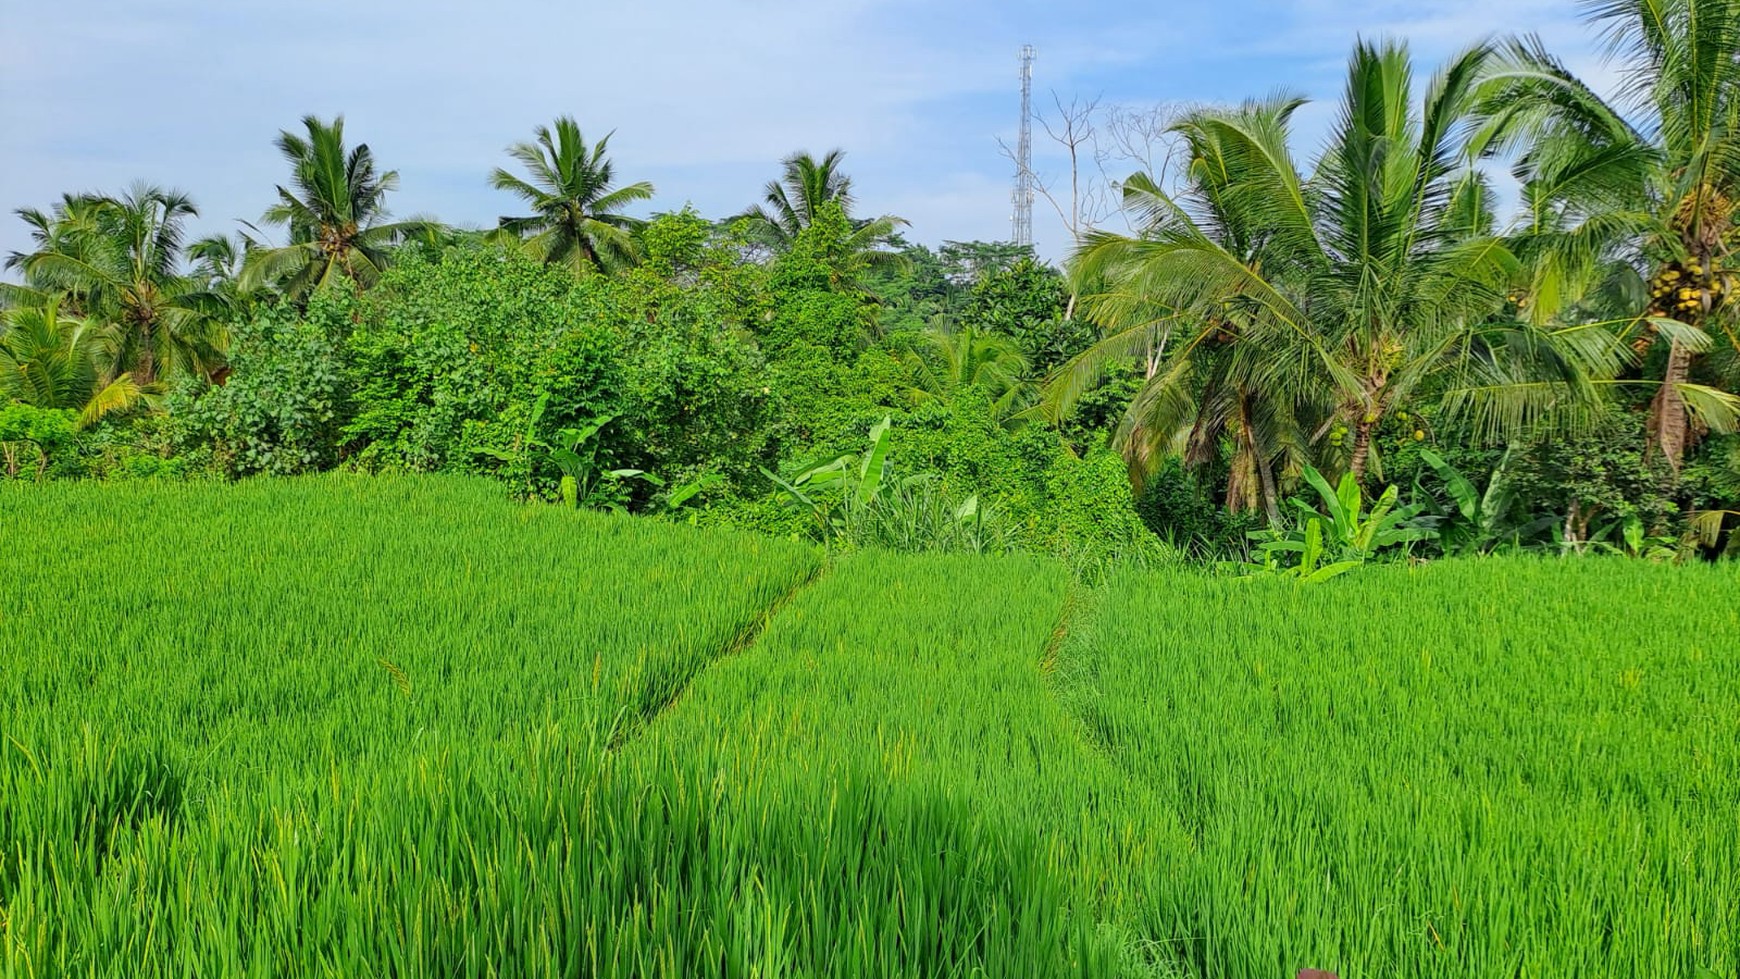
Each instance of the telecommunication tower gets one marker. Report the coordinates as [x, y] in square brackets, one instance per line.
[1022, 197]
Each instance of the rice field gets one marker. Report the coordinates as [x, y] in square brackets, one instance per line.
[1486, 768]
[402, 727]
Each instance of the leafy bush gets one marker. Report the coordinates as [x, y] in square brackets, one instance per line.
[1174, 506]
[1026, 301]
[449, 356]
[1600, 483]
[857, 501]
[37, 443]
[1089, 516]
[280, 411]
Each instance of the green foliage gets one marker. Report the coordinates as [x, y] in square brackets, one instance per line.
[1174, 505]
[1598, 482]
[1089, 517]
[915, 293]
[280, 412]
[1026, 301]
[674, 246]
[448, 357]
[817, 296]
[1096, 412]
[1473, 520]
[857, 500]
[36, 443]
[333, 212]
[585, 483]
[698, 386]
[572, 194]
[945, 364]
[1338, 534]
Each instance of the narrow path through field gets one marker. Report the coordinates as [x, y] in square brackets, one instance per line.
[1063, 686]
[656, 706]
[1060, 632]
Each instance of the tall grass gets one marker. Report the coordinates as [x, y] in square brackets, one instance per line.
[894, 720]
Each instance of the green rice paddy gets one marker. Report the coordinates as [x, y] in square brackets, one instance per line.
[373, 727]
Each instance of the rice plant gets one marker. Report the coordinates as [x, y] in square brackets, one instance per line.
[402, 727]
[1486, 768]
[276, 728]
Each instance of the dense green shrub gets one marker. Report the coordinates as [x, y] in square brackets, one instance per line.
[1174, 505]
[446, 353]
[37, 443]
[280, 411]
[1027, 302]
[1090, 518]
[1599, 481]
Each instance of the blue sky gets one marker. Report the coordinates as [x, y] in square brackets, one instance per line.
[705, 96]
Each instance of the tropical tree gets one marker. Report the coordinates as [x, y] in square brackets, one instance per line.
[334, 211]
[1280, 308]
[50, 361]
[1213, 378]
[570, 189]
[945, 362]
[796, 200]
[1654, 175]
[117, 261]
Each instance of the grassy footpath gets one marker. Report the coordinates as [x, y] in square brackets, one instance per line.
[902, 788]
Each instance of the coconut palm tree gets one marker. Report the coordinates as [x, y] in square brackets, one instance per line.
[334, 211]
[1211, 376]
[795, 201]
[117, 261]
[792, 202]
[1659, 167]
[1323, 304]
[575, 220]
[945, 362]
[52, 361]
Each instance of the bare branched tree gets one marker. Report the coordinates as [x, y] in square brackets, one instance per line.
[1137, 139]
[1104, 144]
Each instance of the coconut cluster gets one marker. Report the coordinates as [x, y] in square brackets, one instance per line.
[1684, 290]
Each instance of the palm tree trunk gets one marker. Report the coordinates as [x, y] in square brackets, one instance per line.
[1271, 492]
[1247, 481]
[1667, 414]
[145, 372]
[1361, 449]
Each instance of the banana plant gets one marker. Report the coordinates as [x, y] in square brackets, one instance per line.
[838, 493]
[682, 494]
[1479, 520]
[583, 484]
[1338, 534]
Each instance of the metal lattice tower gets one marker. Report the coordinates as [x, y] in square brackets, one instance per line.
[1022, 197]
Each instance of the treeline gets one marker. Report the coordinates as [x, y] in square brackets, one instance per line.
[1279, 340]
